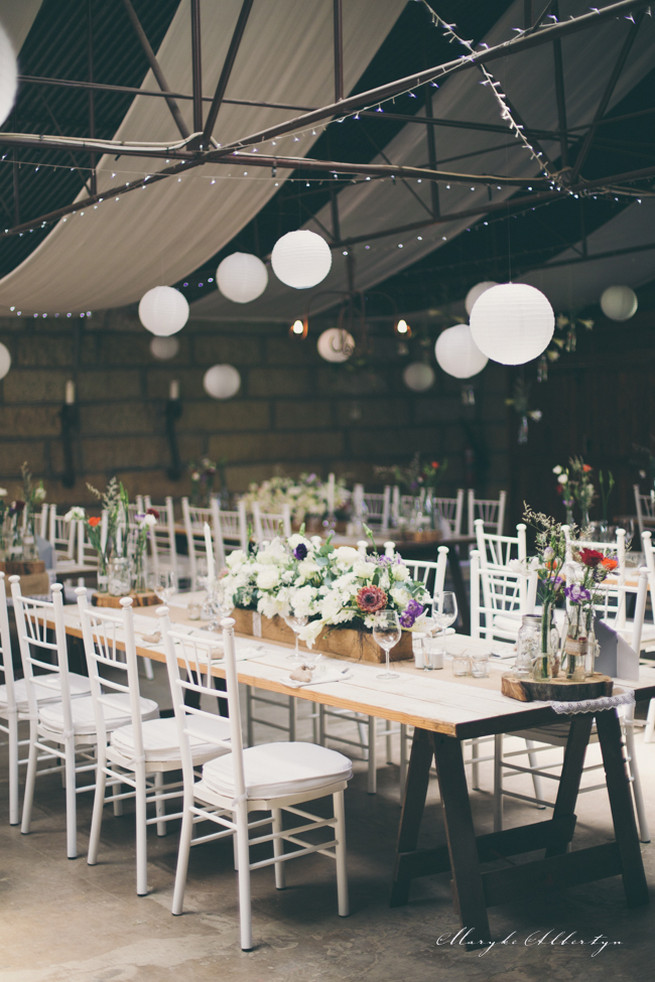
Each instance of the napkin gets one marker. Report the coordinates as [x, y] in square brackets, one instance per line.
[320, 678]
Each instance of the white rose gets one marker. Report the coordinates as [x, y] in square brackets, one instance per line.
[268, 578]
[557, 469]
[563, 478]
[74, 514]
[346, 555]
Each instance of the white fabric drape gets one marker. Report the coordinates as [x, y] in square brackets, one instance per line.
[115, 251]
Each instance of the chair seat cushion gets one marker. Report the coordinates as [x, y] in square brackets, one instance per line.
[47, 691]
[116, 711]
[161, 740]
[276, 769]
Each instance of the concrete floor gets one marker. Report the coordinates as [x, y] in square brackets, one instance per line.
[63, 920]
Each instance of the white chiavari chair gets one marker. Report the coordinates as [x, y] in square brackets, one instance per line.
[645, 508]
[240, 785]
[268, 525]
[491, 511]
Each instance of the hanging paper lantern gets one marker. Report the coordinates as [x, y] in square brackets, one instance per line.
[8, 76]
[418, 376]
[475, 292]
[512, 323]
[619, 303]
[241, 277]
[457, 352]
[5, 360]
[221, 381]
[163, 310]
[301, 259]
[164, 348]
[335, 344]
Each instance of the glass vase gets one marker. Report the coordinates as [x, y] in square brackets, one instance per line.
[119, 576]
[102, 575]
[546, 664]
[139, 574]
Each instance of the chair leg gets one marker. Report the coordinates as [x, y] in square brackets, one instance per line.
[292, 719]
[141, 832]
[372, 758]
[243, 852]
[182, 859]
[160, 805]
[343, 906]
[148, 670]
[536, 780]
[96, 815]
[30, 777]
[250, 737]
[475, 764]
[278, 848]
[12, 728]
[71, 801]
[640, 806]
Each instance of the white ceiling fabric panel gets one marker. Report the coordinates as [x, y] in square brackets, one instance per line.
[528, 80]
[110, 255]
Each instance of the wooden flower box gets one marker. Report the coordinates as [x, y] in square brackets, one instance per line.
[339, 642]
[34, 581]
[145, 599]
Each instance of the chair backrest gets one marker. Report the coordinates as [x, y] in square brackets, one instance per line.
[499, 550]
[232, 528]
[44, 654]
[111, 658]
[188, 660]
[372, 507]
[195, 518]
[6, 663]
[499, 598]
[267, 525]
[161, 541]
[62, 535]
[428, 572]
[645, 508]
[490, 510]
[452, 511]
[649, 558]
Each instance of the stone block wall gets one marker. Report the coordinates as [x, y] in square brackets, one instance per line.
[294, 412]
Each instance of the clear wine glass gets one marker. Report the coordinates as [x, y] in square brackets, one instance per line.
[164, 584]
[386, 632]
[296, 622]
[444, 611]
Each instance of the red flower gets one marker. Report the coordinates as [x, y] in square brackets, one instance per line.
[94, 521]
[591, 557]
[152, 511]
[586, 468]
[371, 598]
[435, 465]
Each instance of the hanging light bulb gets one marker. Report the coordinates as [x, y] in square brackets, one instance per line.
[402, 328]
[299, 328]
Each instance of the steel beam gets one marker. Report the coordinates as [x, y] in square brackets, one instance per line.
[196, 65]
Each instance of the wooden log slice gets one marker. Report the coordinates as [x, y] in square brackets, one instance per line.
[146, 599]
[558, 690]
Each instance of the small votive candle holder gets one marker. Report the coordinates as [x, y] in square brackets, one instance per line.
[479, 666]
[193, 611]
[461, 665]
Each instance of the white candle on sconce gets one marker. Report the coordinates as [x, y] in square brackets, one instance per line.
[69, 397]
[389, 548]
[330, 494]
[174, 389]
[361, 548]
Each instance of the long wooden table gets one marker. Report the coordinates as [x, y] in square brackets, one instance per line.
[445, 711]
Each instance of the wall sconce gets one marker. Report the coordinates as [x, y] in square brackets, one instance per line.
[70, 417]
[402, 328]
[299, 329]
[173, 411]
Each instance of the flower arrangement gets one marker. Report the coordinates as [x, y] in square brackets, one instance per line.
[203, 474]
[576, 487]
[332, 587]
[416, 476]
[590, 569]
[19, 516]
[307, 496]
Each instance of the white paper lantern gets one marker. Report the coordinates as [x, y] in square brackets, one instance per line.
[241, 277]
[8, 76]
[457, 352]
[5, 360]
[335, 344]
[512, 323]
[164, 348]
[475, 292]
[619, 303]
[221, 381]
[163, 310]
[301, 259]
[418, 376]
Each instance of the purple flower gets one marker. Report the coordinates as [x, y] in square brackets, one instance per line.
[300, 552]
[413, 610]
[576, 593]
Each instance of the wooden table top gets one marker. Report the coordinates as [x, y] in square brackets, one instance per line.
[433, 700]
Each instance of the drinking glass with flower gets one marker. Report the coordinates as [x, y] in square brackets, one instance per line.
[550, 563]
[565, 491]
[589, 569]
[144, 524]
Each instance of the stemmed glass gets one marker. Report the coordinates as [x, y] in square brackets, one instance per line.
[296, 622]
[164, 584]
[444, 610]
[386, 632]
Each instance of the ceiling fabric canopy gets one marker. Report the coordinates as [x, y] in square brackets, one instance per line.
[367, 209]
[108, 254]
